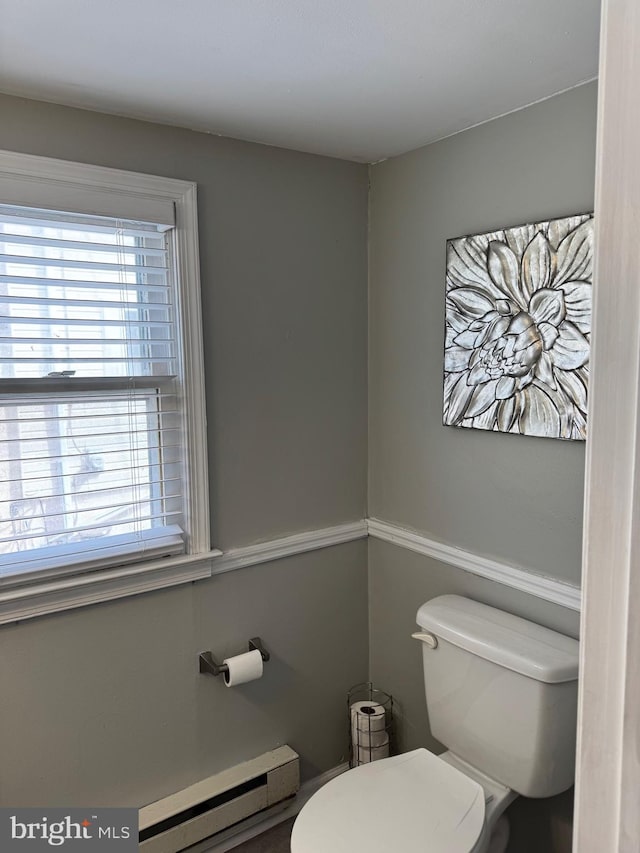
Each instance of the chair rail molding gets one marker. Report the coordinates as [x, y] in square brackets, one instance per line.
[546, 588]
[136, 579]
[287, 546]
[549, 589]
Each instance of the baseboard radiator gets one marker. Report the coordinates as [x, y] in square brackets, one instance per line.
[214, 804]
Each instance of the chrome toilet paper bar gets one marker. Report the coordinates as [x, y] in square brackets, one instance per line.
[210, 666]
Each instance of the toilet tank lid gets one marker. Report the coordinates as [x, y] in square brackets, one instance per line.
[502, 638]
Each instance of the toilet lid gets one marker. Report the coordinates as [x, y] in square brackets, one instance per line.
[413, 801]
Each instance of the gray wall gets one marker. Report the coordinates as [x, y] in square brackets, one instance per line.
[283, 244]
[103, 705]
[515, 498]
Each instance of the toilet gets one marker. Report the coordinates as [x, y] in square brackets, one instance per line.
[501, 695]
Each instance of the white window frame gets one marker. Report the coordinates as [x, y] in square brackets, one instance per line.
[25, 179]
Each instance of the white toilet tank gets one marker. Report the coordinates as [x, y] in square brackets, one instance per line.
[502, 693]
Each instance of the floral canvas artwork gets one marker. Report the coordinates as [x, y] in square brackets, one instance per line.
[517, 331]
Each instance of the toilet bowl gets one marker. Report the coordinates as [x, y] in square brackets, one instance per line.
[413, 802]
[501, 694]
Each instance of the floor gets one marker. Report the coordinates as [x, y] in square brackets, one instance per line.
[276, 840]
[536, 825]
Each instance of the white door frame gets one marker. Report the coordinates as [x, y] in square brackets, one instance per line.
[607, 818]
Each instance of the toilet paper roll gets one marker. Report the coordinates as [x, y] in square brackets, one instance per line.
[368, 717]
[368, 739]
[368, 726]
[364, 755]
[243, 668]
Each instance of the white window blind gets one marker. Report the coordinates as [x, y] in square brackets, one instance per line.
[91, 462]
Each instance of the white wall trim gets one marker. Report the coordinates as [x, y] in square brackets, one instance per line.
[288, 546]
[32, 180]
[253, 826]
[67, 593]
[79, 187]
[549, 589]
[192, 369]
[607, 817]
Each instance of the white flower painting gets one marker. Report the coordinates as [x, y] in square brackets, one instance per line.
[518, 324]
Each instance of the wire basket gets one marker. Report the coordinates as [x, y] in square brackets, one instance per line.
[370, 724]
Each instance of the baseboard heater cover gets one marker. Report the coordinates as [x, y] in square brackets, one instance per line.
[214, 804]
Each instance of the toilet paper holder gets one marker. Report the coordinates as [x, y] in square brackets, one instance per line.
[210, 666]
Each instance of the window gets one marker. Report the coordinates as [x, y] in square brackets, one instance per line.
[102, 445]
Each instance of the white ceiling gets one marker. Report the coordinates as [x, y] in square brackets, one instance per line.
[358, 79]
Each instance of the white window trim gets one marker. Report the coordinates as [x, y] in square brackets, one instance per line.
[63, 179]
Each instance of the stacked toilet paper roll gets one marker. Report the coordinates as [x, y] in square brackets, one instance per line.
[369, 734]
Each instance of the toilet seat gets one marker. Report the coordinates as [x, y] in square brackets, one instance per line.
[412, 802]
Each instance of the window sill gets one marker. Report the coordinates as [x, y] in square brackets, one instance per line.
[67, 593]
